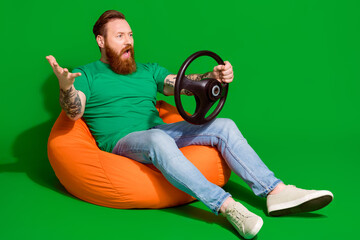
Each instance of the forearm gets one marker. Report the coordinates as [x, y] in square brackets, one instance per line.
[199, 77]
[70, 102]
[169, 83]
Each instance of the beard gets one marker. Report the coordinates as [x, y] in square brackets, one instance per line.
[117, 64]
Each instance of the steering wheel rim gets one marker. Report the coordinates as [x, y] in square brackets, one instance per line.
[206, 91]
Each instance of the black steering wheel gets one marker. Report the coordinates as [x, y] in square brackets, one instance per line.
[206, 92]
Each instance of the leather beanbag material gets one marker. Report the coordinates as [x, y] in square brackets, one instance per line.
[111, 180]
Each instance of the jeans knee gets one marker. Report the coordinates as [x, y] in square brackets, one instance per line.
[227, 127]
[158, 142]
[157, 137]
[225, 124]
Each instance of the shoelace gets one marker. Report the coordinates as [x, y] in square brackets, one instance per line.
[239, 215]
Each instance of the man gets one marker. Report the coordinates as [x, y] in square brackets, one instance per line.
[116, 96]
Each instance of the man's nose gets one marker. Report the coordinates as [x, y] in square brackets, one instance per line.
[127, 40]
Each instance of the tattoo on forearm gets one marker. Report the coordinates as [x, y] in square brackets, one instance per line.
[70, 101]
[170, 82]
[199, 77]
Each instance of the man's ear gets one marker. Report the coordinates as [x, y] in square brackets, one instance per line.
[100, 41]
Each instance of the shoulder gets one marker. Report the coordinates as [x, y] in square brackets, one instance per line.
[90, 70]
[89, 67]
[144, 66]
[150, 67]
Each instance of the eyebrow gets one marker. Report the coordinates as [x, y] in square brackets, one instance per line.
[125, 32]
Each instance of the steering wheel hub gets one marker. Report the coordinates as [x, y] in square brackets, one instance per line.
[214, 90]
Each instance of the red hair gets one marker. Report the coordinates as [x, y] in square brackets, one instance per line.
[100, 25]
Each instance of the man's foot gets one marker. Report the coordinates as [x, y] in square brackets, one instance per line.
[245, 222]
[295, 200]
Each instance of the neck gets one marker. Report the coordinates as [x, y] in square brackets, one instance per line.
[104, 59]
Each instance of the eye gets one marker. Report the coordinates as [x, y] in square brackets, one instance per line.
[119, 35]
[130, 35]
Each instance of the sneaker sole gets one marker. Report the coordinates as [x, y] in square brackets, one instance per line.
[308, 203]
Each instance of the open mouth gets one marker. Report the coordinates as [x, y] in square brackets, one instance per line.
[126, 53]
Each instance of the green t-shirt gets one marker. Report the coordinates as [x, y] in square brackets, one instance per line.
[117, 105]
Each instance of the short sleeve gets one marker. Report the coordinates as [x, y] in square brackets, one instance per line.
[159, 74]
[82, 83]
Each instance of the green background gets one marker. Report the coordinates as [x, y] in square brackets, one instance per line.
[295, 97]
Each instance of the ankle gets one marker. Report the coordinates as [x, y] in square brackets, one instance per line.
[225, 204]
[278, 188]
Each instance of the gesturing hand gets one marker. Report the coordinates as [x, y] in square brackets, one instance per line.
[66, 78]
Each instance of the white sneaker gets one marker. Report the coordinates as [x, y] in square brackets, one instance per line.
[295, 200]
[245, 222]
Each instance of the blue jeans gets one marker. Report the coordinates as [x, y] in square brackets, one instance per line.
[160, 146]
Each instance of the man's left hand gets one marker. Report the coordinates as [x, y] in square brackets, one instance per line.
[224, 73]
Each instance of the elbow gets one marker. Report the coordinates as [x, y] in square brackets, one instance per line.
[73, 112]
[74, 117]
[168, 93]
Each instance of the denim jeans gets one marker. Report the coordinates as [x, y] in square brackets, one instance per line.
[160, 146]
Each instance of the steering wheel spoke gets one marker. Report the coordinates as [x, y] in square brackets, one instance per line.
[203, 110]
[197, 100]
[196, 87]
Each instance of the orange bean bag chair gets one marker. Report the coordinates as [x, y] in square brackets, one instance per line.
[115, 181]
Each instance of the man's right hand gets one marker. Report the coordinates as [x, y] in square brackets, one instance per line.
[66, 78]
[71, 100]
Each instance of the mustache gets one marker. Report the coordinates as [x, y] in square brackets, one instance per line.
[127, 48]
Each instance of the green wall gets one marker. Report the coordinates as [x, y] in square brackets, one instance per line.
[295, 96]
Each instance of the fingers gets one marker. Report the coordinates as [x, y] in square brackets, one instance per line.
[55, 66]
[227, 79]
[219, 68]
[51, 60]
[224, 72]
[70, 75]
[65, 73]
[59, 70]
[74, 75]
[227, 65]
[227, 72]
